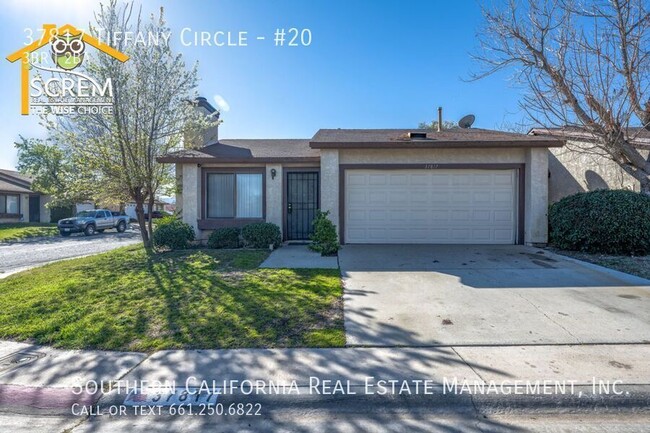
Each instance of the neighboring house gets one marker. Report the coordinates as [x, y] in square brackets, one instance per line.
[129, 208]
[87, 205]
[18, 202]
[461, 186]
[578, 167]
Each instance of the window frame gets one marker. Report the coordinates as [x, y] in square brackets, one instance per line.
[3, 197]
[233, 171]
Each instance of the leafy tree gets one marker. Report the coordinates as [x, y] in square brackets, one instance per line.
[150, 115]
[446, 124]
[53, 170]
[583, 64]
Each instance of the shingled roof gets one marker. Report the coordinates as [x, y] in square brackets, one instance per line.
[449, 138]
[12, 187]
[636, 135]
[240, 151]
[13, 181]
[307, 150]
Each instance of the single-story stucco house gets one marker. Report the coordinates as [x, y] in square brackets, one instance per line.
[457, 186]
[18, 202]
[580, 167]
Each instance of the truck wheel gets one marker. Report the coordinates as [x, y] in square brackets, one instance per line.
[121, 227]
[90, 230]
[65, 234]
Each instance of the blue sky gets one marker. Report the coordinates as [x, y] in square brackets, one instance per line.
[370, 64]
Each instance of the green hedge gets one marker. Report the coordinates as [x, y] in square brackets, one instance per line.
[225, 238]
[604, 221]
[61, 212]
[172, 233]
[261, 235]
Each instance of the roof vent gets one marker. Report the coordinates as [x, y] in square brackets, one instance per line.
[417, 135]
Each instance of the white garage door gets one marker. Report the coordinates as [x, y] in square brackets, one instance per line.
[430, 206]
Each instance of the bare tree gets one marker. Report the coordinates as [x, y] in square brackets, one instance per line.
[584, 64]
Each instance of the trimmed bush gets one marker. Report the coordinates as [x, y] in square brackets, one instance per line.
[172, 233]
[261, 235]
[604, 221]
[225, 238]
[61, 212]
[324, 240]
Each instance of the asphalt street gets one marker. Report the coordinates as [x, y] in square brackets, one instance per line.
[18, 256]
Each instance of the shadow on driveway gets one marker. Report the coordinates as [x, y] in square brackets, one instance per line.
[455, 294]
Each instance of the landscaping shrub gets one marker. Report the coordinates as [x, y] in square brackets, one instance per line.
[61, 212]
[324, 240]
[604, 221]
[261, 235]
[172, 233]
[225, 238]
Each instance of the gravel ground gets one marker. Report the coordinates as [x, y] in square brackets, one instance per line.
[21, 255]
[635, 265]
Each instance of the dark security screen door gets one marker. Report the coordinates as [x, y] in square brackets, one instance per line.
[302, 203]
[34, 209]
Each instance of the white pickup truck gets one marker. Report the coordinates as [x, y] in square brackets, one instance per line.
[94, 221]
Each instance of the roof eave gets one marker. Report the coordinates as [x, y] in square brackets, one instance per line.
[212, 160]
[424, 144]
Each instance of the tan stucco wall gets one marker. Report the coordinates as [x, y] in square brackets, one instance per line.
[274, 204]
[575, 171]
[191, 193]
[536, 205]
[45, 211]
[425, 156]
[24, 207]
[329, 184]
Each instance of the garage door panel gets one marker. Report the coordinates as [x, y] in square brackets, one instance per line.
[420, 180]
[482, 216]
[503, 179]
[398, 180]
[397, 198]
[377, 198]
[435, 206]
[461, 197]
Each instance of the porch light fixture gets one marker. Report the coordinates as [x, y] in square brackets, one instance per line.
[273, 173]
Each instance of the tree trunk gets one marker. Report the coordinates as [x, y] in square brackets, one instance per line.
[645, 185]
[139, 212]
[150, 222]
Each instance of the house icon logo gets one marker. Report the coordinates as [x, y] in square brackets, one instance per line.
[66, 90]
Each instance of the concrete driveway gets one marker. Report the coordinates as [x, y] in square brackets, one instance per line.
[418, 295]
[21, 255]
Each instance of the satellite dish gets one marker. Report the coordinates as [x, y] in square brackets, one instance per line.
[467, 121]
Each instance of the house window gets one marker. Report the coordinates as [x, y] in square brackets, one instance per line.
[234, 195]
[9, 204]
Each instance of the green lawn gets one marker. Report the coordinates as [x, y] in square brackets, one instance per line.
[17, 231]
[131, 299]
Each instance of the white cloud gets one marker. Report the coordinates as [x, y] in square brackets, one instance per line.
[221, 103]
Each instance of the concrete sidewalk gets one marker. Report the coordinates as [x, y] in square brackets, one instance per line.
[298, 257]
[33, 384]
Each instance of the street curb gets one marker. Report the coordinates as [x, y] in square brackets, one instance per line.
[631, 399]
[627, 278]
